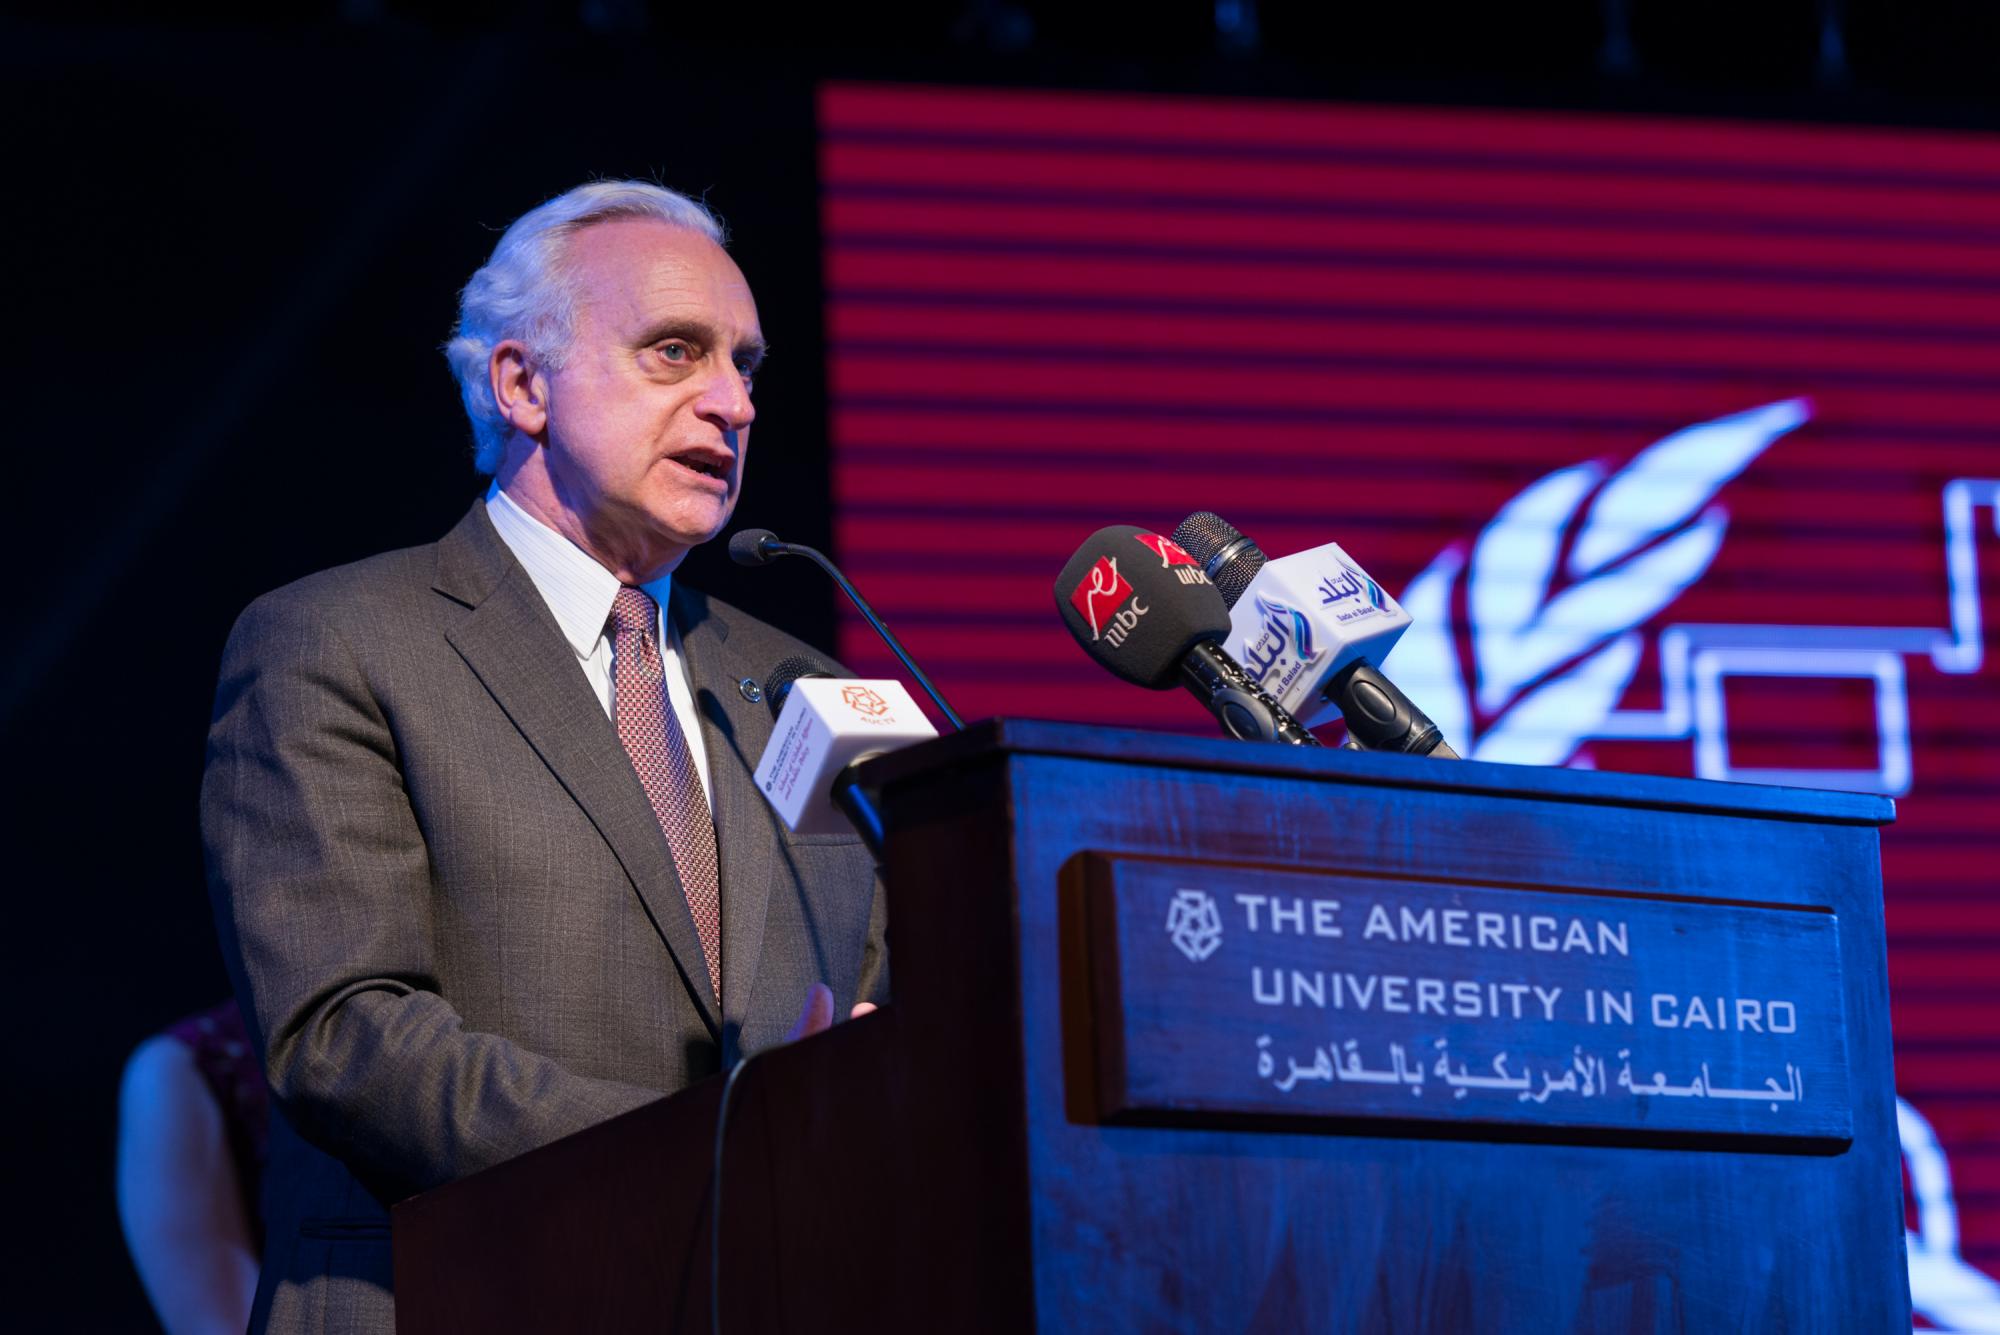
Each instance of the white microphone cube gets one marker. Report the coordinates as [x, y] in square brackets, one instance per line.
[1303, 619]
[827, 724]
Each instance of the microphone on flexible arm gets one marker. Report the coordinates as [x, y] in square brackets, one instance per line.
[760, 547]
[1310, 628]
[1144, 609]
[827, 725]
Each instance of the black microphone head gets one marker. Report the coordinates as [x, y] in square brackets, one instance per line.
[1228, 558]
[754, 547]
[778, 682]
[1137, 602]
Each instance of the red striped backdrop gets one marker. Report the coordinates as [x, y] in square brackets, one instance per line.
[1049, 312]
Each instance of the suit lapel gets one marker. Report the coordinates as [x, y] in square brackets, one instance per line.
[734, 730]
[511, 641]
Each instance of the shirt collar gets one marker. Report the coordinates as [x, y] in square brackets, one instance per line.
[577, 589]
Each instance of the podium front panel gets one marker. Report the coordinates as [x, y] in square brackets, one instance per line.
[1431, 1225]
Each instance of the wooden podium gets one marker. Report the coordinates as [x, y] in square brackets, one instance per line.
[1209, 1036]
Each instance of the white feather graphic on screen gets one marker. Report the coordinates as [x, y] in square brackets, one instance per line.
[1551, 659]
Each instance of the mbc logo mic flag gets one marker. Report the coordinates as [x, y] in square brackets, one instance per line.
[1171, 553]
[1100, 593]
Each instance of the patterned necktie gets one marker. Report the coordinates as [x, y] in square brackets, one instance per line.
[659, 752]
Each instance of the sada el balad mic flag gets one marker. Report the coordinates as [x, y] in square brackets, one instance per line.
[1296, 622]
[1313, 628]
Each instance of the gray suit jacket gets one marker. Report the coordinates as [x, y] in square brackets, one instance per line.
[449, 911]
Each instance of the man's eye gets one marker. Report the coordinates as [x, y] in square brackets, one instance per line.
[747, 368]
[675, 352]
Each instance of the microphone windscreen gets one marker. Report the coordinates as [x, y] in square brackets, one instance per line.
[1230, 559]
[1137, 603]
[778, 682]
[747, 547]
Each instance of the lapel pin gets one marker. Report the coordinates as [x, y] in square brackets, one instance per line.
[751, 690]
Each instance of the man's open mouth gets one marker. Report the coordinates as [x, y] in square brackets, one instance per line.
[705, 466]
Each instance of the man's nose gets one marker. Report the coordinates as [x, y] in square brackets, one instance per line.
[726, 400]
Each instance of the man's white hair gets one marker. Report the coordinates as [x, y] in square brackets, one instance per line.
[524, 291]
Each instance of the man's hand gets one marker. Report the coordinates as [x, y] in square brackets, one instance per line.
[817, 1016]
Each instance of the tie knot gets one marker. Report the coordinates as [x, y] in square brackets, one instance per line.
[634, 610]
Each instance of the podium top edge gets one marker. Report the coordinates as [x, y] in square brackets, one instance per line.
[1041, 737]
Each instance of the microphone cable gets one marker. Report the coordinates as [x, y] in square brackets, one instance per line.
[715, 1201]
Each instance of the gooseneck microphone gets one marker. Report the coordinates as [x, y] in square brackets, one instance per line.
[1310, 628]
[760, 547]
[1141, 607]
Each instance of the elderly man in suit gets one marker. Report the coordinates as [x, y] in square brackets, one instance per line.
[484, 849]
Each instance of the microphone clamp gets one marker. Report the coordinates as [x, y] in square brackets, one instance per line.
[1243, 708]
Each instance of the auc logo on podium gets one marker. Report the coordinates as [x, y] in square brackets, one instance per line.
[1194, 923]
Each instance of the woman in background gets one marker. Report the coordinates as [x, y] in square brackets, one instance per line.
[193, 1132]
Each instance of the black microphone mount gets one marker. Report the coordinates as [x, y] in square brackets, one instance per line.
[1244, 709]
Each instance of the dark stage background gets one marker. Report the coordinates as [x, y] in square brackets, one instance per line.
[240, 239]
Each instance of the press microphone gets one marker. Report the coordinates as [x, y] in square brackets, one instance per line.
[826, 725]
[1310, 629]
[760, 547]
[1144, 609]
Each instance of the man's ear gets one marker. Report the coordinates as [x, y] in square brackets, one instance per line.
[519, 388]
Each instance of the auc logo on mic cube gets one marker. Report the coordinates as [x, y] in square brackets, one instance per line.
[827, 725]
[1303, 619]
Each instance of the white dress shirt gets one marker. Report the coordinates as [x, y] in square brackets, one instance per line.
[580, 593]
